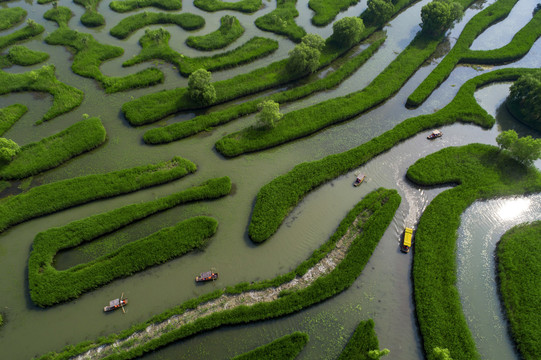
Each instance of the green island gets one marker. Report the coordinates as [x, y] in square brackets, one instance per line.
[177, 131]
[65, 97]
[286, 348]
[326, 11]
[11, 16]
[30, 30]
[55, 150]
[282, 21]
[230, 30]
[480, 172]
[21, 55]
[352, 244]
[246, 6]
[9, 116]
[135, 22]
[60, 195]
[90, 54]
[157, 248]
[363, 340]
[155, 45]
[122, 6]
[519, 271]
[91, 17]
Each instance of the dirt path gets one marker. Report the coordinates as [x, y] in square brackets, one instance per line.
[230, 301]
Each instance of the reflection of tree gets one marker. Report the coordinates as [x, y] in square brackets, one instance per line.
[441, 50]
[29, 2]
[478, 5]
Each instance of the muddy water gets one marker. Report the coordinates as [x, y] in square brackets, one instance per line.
[382, 292]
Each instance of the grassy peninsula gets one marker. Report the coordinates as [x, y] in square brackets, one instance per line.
[285, 348]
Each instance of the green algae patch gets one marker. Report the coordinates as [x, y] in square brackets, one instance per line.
[519, 271]
[55, 150]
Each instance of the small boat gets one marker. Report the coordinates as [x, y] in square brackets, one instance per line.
[435, 134]
[406, 243]
[359, 180]
[116, 304]
[206, 276]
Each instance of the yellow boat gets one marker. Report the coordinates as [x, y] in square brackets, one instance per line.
[406, 244]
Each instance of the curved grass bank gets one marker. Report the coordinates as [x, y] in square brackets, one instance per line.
[282, 21]
[130, 5]
[90, 54]
[9, 116]
[246, 6]
[60, 195]
[201, 123]
[326, 11]
[276, 199]
[155, 44]
[49, 286]
[65, 97]
[481, 172]
[519, 271]
[284, 348]
[230, 30]
[361, 342]
[30, 30]
[461, 53]
[11, 16]
[91, 17]
[55, 150]
[352, 243]
[23, 56]
[135, 22]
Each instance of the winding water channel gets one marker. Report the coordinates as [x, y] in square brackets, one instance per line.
[382, 292]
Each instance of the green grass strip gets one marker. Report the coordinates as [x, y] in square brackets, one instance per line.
[49, 286]
[130, 5]
[90, 54]
[200, 123]
[230, 30]
[91, 17]
[30, 30]
[326, 11]
[333, 111]
[479, 23]
[9, 116]
[361, 342]
[155, 44]
[65, 97]
[376, 211]
[135, 22]
[245, 6]
[284, 348]
[282, 21]
[276, 199]
[21, 55]
[55, 150]
[53, 197]
[11, 16]
[481, 172]
[519, 271]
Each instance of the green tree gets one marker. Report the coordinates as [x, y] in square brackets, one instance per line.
[525, 99]
[506, 139]
[524, 149]
[269, 114]
[347, 31]
[200, 88]
[438, 16]
[378, 11]
[303, 59]
[314, 41]
[8, 150]
[442, 354]
[376, 354]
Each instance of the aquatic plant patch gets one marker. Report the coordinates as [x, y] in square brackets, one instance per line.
[49, 286]
[11, 16]
[519, 271]
[361, 342]
[135, 22]
[21, 55]
[246, 6]
[122, 6]
[30, 30]
[326, 11]
[60, 195]
[282, 21]
[91, 17]
[65, 97]
[9, 116]
[200, 123]
[55, 150]
[284, 348]
[480, 172]
[361, 229]
[230, 30]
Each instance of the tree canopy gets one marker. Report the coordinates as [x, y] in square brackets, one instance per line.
[438, 15]
[8, 150]
[304, 58]
[269, 113]
[200, 88]
[378, 11]
[525, 149]
[525, 99]
[347, 31]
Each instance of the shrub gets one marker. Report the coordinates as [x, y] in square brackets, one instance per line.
[200, 88]
[347, 31]
[8, 150]
[269, 114]
[438, 15]
[524, 100]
